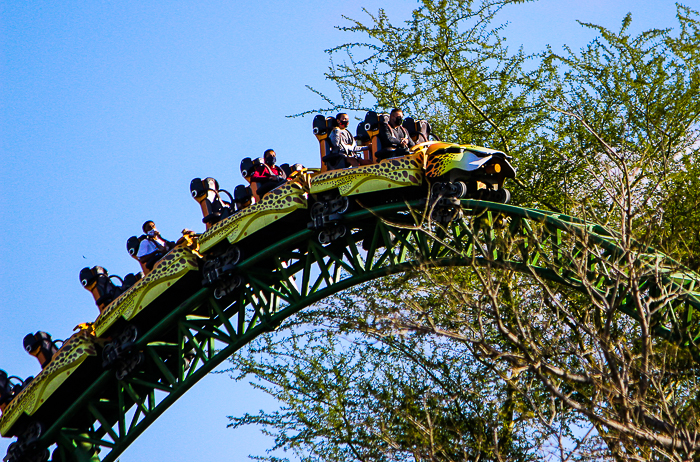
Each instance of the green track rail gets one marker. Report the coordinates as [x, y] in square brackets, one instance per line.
[297, 271]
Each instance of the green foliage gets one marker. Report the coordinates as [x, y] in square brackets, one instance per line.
[353, 388]
[447, 64]
[627, 109]
[483, 364]
[602, 133]
[681, 220]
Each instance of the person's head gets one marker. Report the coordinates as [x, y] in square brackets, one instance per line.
[343, 120]
[396, 117]
[270, 157]
[149, 227]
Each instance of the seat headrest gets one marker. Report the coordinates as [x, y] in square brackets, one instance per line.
[88, 275]
[247, 167]
[5, 387]
[242, 193]
[197, 188]
[286, 169]
[371, 121]
[85, 276]
[131, 279]
[410, 125]
[361, 133]
[132, 245]
[319, 125]
[30, 343]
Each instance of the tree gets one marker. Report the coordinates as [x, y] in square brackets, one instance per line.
[486, 363]
[447, 64]
[628, 109]
[355, 388]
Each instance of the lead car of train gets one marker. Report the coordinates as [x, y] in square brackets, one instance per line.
[438, 171]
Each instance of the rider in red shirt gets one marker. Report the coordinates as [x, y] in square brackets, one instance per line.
[267, 174]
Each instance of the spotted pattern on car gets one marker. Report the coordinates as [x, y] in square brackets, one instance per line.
[73, 352]
[439, 161]
[399, 172]
[276, 204]
[169, 269]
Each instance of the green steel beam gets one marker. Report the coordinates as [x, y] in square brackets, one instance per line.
[297, 271]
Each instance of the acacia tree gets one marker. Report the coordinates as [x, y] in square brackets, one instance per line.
[627, 109]
[448, 64]
[478, 364]
[358, 386]
[488, 364]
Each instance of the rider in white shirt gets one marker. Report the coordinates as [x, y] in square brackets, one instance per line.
[152, 247]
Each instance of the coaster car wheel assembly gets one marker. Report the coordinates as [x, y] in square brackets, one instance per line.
[331, 233]
[216, 269]
[326, 214]
[23, 449]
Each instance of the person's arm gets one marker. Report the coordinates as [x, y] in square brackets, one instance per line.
[167, 245]
[361, 148]
[353, 148]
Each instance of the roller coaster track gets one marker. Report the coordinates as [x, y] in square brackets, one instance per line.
[295, 272]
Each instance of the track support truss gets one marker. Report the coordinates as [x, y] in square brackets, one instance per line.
[278, 281]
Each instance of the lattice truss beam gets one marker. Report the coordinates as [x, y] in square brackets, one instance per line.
[296, 272]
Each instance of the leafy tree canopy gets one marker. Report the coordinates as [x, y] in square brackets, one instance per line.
[482, 363]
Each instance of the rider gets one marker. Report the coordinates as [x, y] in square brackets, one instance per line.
[394, 137]
[344, 149]
[152, 247]
[267, 174]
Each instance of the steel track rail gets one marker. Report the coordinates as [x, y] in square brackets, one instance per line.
[201, 332]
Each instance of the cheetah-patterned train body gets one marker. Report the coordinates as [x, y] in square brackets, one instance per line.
[276, 204]
[167, 271]
[386, 175]
[71, 355]
[445, 157]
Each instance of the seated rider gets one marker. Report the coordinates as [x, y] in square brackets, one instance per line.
[344, 149]
[394, 137]
[267, 175]
[152, 247]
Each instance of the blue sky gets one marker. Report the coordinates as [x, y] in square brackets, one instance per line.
[109, 109]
